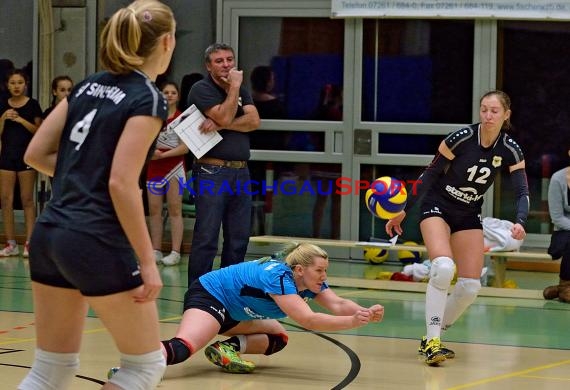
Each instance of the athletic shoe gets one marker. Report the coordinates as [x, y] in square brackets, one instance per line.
[9, 250]
[26, 252]
[449, 354]
[225, 356]
[112, 371]
[158, 256]
[172, 259]
[433, 351]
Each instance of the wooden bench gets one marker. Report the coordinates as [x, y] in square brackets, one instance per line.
[500, 261]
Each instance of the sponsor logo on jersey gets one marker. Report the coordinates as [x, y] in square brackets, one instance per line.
[253, 314]
[463, 194]
[497, 161]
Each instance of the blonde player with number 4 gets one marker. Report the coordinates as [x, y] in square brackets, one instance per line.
[90, 246]
[452, 187]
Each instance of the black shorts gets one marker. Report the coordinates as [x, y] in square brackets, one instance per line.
[13, 164]
[456, 221]
[197, 297]
[70, 259]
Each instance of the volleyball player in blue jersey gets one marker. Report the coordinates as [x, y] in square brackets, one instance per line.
[244, 300]
[452, 187]
[90, 246]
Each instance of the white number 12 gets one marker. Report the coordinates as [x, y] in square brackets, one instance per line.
[484, 174]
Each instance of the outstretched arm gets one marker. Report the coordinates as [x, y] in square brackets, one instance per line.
[342, 306]
[299, 311]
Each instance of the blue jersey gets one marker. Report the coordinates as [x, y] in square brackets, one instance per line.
[99, 108]
[244, 289]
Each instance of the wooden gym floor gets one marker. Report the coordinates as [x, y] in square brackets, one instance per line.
[501, 342]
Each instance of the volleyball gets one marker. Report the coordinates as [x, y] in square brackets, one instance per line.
[386, 197]
[375, 255]
[406, 256]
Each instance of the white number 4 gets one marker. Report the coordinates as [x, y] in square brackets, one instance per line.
[81, 129]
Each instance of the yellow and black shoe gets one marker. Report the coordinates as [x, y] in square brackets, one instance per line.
[433, 351]
[449, 354]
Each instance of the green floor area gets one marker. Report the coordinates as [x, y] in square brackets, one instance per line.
[490, 320]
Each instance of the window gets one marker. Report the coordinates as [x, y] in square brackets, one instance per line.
[304, 199]
[305, 56]
[533, 72]
[417, 71]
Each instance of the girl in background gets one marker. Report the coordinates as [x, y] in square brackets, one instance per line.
[21, 117]
[164, 173]
[60, 89]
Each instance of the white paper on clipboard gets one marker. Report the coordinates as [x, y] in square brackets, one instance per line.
[187, 126]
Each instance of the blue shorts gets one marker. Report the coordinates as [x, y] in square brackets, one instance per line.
[70, 259]
[197, 297]
[457, 221]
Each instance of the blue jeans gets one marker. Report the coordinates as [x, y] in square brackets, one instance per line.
[223, 198]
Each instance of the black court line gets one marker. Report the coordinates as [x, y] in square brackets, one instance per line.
[354, 360]
[77, 376]
[8, 350]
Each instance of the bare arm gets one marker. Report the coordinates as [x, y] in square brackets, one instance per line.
[342, 306]
[128, 160]
[42, 150]
[223, 114]
[248, 122]
[31, 127]
[180, 150]
[13, 115]
[299, 311]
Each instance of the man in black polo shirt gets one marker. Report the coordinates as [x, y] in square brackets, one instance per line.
[221, 177]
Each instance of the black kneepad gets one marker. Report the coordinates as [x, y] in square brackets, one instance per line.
[177, 351]
[276, 343]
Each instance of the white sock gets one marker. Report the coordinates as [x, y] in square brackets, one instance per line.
[242, 342]
[435, 307]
